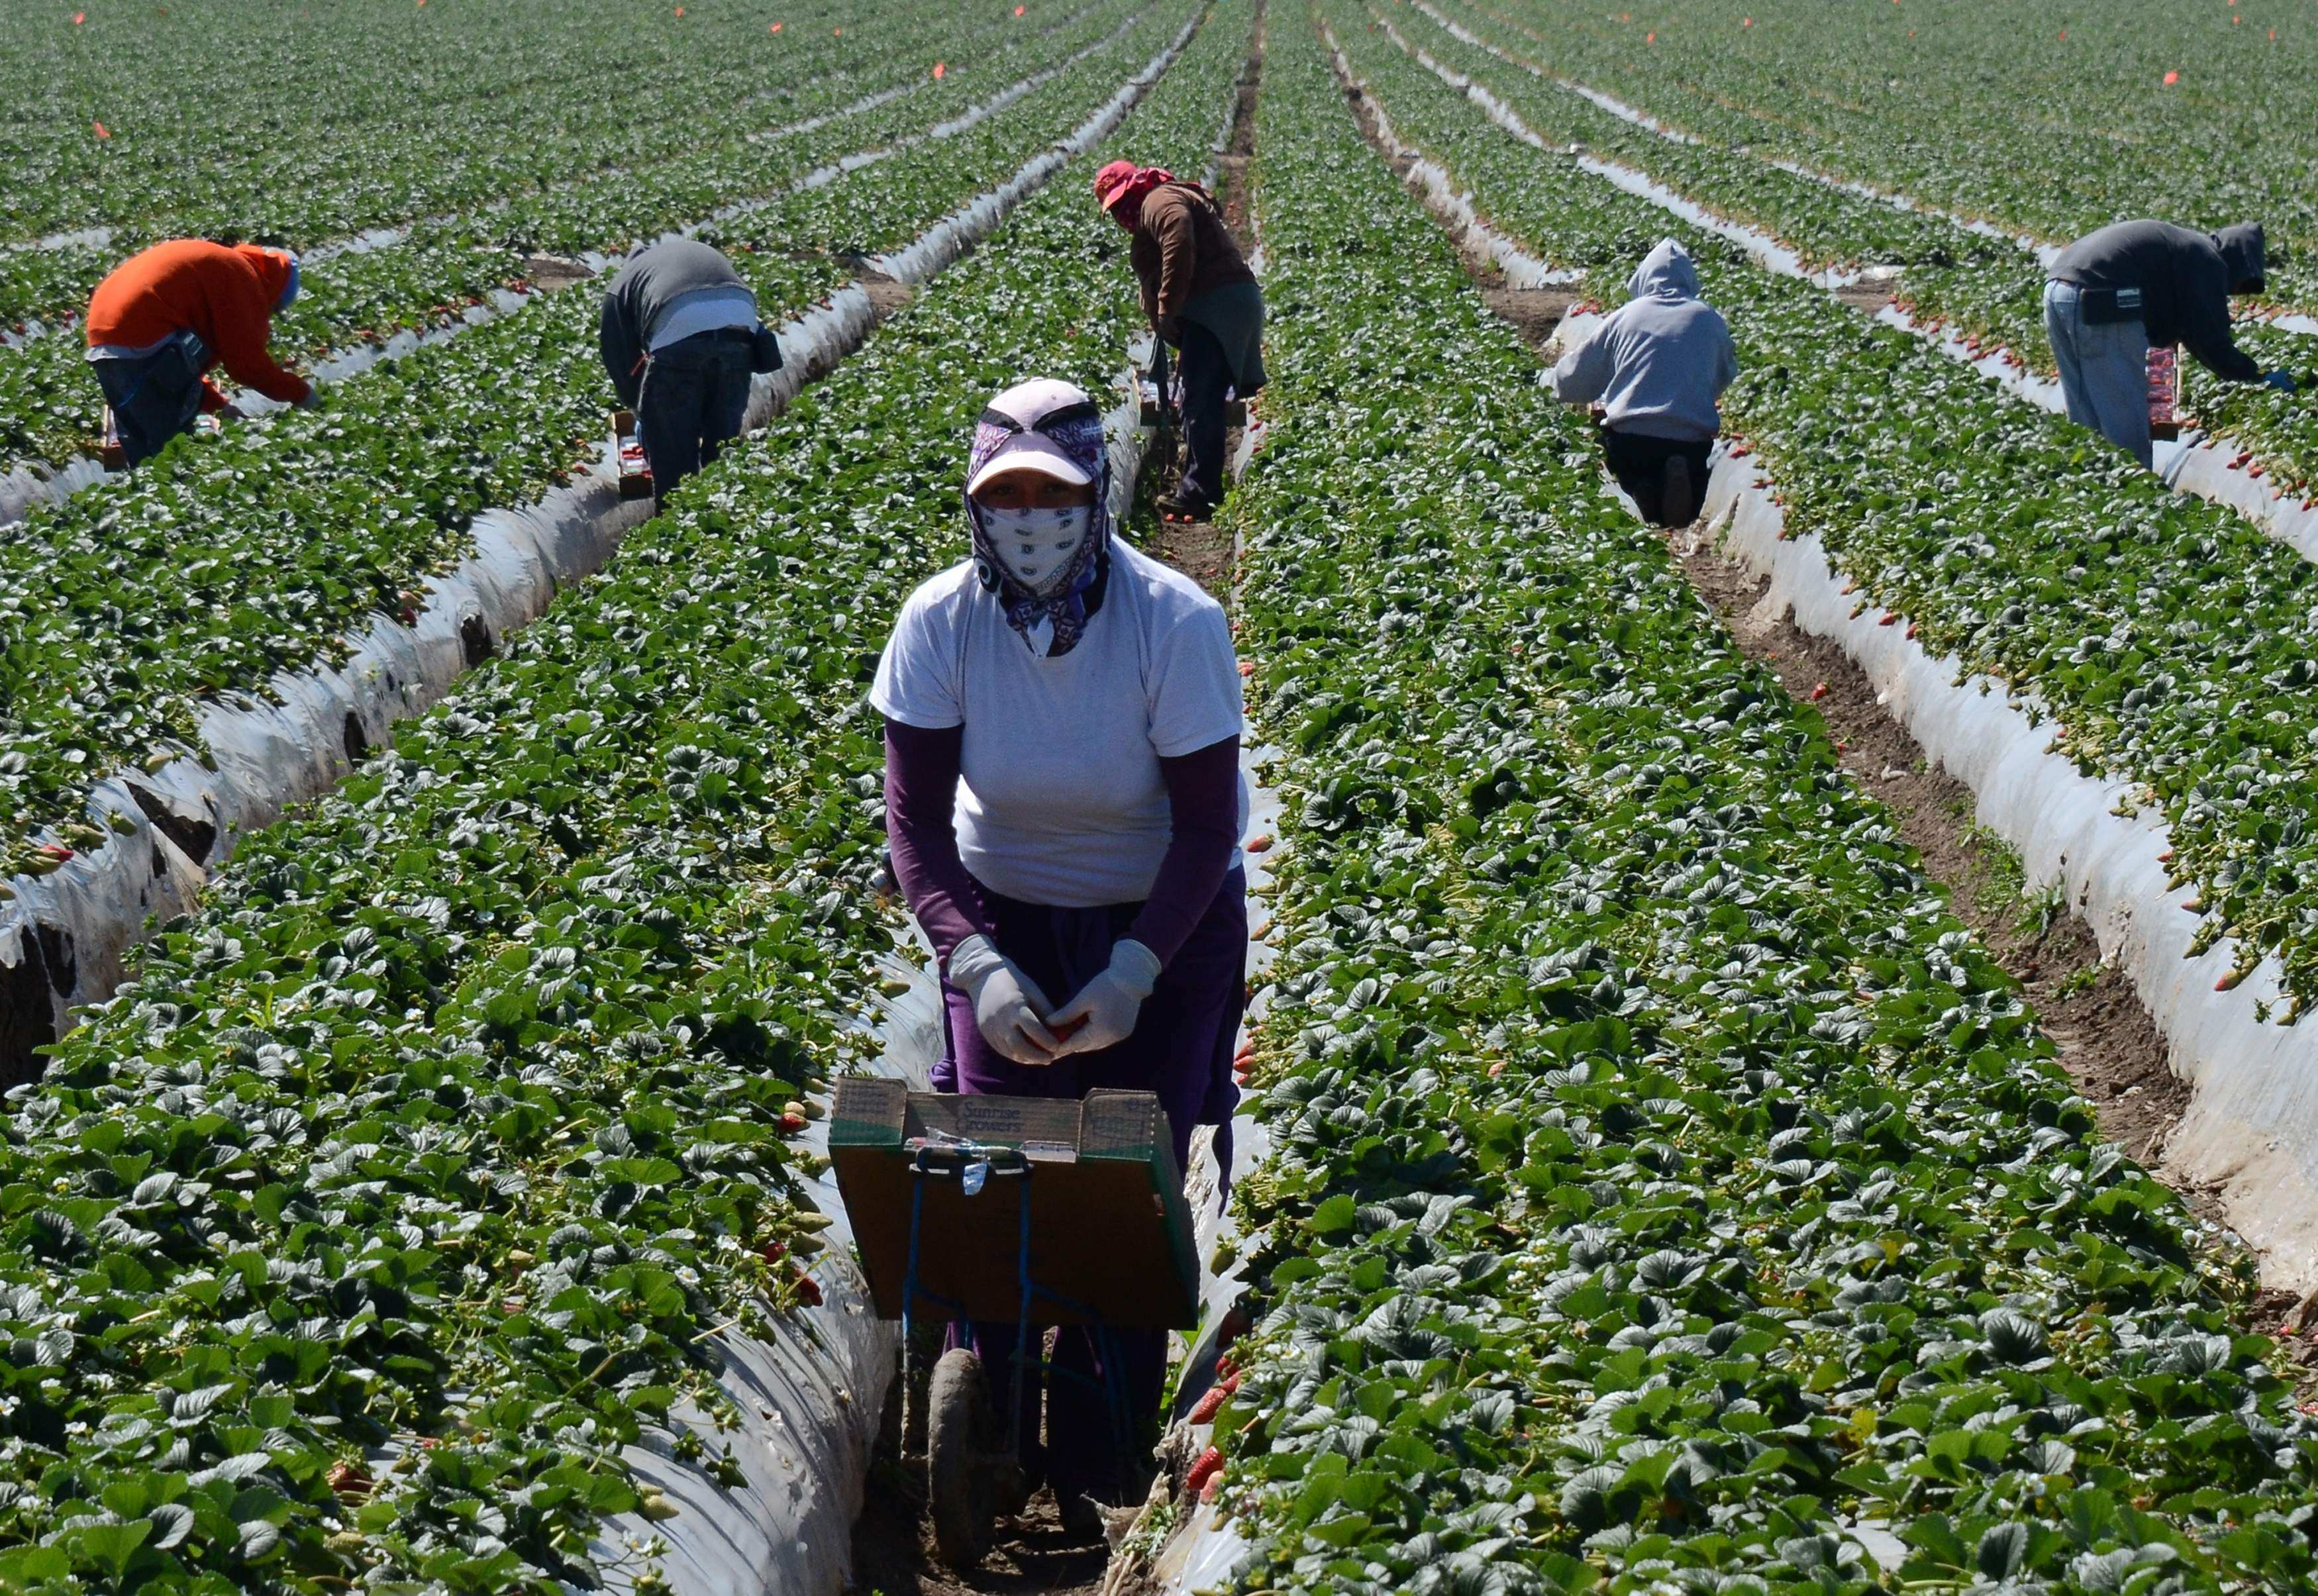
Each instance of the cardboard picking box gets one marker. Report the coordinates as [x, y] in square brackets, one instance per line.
[1109, 1229]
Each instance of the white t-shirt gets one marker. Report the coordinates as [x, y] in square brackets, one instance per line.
[1060, 800]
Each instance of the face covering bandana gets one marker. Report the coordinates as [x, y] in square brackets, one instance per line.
[1035, 547]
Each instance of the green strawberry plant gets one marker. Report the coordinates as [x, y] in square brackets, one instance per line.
[1666, 1193]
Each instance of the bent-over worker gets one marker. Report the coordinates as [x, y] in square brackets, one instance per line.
[165, 317]
[1063, 805]
[1657, 365]
[1200, 297]
[681, 341]
[2116, 292]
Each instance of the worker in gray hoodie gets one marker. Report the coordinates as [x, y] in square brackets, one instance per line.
[1656, 365]
[681, 341]
[2116, 292]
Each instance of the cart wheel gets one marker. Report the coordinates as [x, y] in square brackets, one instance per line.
[960, 1479]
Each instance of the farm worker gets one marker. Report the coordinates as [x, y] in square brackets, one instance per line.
[1656, 365]
[166, 316]
[1064, 806]
[2132, 284]
[681, 342]
[1200, 297]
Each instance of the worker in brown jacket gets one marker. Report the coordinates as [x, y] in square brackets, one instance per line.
[1203, 299]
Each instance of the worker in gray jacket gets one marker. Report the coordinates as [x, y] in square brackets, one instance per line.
[2116, 292]
[681, 341]
[1657, 365]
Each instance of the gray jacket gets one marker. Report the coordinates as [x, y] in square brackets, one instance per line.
[1660, 361]
[657, 280]
[2186, 279]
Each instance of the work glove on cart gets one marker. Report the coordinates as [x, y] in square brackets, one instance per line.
[1007, 1003]
[2281, 381]
[1104, 1010]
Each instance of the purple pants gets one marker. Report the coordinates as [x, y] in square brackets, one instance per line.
[1181, 1049]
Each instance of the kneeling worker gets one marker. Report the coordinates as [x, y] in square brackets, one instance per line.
[1200, 297]
[167, 316]
[681, 340]
[2116, 292]
[1657, 365]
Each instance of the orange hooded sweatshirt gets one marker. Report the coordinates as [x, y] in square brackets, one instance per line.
[224, 294]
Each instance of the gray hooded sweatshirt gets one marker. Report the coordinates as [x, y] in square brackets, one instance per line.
[2185, 280]
[1660, 361]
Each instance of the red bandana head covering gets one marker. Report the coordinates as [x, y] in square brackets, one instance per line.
[1121, 185]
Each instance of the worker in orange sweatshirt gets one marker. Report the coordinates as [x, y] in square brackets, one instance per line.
[165, 317]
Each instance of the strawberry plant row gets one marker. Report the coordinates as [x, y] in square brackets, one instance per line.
[1666, 1193]
[2012, 542]
[425, 1165]
[2049, 125]
[431, 274]
[355, 118]
[210, 571]
[1989, 287]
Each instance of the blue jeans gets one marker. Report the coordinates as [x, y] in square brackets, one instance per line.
[154, 397]
[693, 397]
[2103, 370]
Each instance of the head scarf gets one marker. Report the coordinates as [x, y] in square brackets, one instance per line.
[1063, 414]
[1121, 185]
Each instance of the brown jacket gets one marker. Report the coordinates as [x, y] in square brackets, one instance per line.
[1181, 250]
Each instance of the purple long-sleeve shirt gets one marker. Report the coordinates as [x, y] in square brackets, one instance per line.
[921, 775]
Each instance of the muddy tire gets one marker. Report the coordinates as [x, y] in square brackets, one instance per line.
[961, 1476]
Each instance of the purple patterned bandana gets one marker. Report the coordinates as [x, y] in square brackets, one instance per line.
[1043, 418]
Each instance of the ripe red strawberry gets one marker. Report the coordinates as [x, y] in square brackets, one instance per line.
[1203, 1472]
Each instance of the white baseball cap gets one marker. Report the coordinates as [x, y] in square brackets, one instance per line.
[1023, 409]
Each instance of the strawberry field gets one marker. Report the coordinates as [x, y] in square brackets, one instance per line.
[439, 896]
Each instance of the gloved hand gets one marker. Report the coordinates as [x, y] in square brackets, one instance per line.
[313, 400]
[232, 412]
[2281, 381]
[1007, 1003]
[1104, 1010]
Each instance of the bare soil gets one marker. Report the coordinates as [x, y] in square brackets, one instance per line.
[893, 1549]
[886, 296]
[556, 271]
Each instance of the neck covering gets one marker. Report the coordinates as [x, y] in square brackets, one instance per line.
[1121, 185]
[1057, 619]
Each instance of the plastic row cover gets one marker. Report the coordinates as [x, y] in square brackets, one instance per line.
[2252, 1128]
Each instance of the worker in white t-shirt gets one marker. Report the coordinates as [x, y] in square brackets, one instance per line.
[1064, 804]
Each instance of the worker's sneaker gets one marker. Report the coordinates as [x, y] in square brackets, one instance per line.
[1172, 508]
[1083, 1518]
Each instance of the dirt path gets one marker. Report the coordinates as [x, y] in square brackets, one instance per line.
[1034, 1554]
[1199, 549]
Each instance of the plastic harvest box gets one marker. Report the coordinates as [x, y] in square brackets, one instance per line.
[1109, 1226]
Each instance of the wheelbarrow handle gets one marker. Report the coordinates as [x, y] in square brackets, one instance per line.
[951, 1162]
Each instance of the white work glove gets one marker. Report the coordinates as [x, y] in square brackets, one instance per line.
[1007, 1003]
[1104, 1011]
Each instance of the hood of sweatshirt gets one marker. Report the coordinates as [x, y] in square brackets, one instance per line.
[1664, 273]
[276, 270]
[2243, 251]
